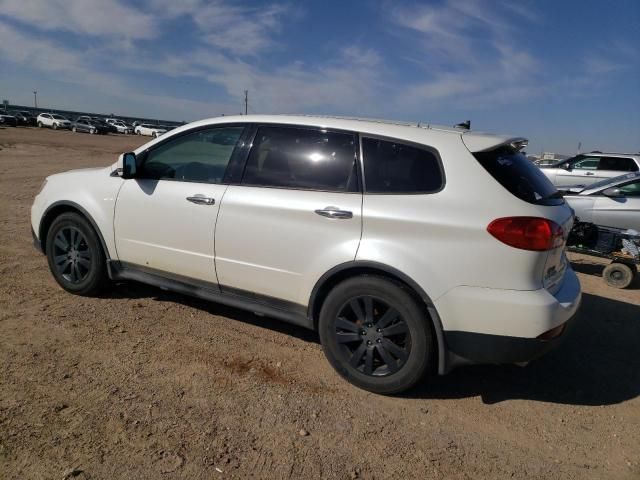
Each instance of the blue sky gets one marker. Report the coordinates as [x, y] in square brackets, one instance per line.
[557, 72]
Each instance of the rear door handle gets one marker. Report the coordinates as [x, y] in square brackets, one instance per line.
[334, 212]
[589, 173]
[200, 199]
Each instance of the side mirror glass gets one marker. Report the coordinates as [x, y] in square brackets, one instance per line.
[129, 165]
[613, 192]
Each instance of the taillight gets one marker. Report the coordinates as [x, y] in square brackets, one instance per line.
[527, 233]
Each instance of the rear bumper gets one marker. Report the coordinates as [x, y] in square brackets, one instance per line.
[506, 326]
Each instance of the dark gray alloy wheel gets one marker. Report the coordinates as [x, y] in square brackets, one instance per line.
[75, 255]
[376, 335]
[71, 255]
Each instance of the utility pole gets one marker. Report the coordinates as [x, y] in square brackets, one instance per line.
[35, 99]
[246, 101]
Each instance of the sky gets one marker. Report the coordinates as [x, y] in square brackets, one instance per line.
[557, 72]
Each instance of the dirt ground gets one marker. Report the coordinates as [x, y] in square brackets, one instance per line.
[146, 384]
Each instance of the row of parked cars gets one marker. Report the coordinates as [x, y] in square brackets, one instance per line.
[602, 188]
[83, 124]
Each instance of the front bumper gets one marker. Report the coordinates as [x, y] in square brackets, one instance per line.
[506, 326]
[36, 242]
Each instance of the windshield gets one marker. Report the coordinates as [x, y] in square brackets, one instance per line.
[58, 117]
[610, 181]
[518, 175]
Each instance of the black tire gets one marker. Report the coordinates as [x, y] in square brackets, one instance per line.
[75, 255]
[55, 126]
[39, 124]
[618, 275]
[391, 359]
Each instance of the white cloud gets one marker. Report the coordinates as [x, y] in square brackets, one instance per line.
[231, 27]
[91, 17]
[471, 53]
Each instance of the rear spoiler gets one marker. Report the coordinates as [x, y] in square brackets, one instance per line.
[483, 143]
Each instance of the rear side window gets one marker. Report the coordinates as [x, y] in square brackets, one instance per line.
[308, 159]
[618, 164]
[518, 175]
[391, 167]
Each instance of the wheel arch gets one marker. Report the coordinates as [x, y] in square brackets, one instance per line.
[347, 270]
[58, 208]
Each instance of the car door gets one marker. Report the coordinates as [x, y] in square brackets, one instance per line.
[165, 216]
[610, 167]
[295, 214]
[582, 171]
[619, 212]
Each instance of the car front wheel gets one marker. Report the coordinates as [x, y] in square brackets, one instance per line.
[39, 124]
[75, 255]
[376, 335]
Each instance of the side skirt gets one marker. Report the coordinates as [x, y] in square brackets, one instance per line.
[260, 304]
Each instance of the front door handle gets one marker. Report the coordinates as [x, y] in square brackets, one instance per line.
[589, 173]
[334, 212]
[200, 199]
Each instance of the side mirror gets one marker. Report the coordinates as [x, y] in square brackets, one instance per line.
[567, 167]
[612, 192]
[128, 167]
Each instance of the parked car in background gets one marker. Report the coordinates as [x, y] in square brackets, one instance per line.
[364, 231]
[613, 202]
[546, 162]
[83, 124]
[150, 130]
[53, 120]
[8, 120]
[25, 118]
[589, 168]
[120, 126]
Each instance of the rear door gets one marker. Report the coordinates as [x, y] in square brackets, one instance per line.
[610, 167]
[295, 214]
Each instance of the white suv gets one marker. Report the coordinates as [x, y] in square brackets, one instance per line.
[409, 249]
[149, 130]
[53, 120]
[588, 168]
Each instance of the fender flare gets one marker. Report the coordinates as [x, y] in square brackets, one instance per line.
[443, 351]
[75, 206]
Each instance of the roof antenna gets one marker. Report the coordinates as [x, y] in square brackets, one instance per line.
[466, 125]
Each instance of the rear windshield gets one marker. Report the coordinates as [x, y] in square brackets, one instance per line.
[516, 173]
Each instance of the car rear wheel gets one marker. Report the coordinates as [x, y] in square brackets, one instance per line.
[55, 126]
[375, 335]
[92, 131]
[75, 255]
[618, 275]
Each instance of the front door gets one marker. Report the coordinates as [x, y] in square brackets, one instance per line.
[295, 215]
[165, 217]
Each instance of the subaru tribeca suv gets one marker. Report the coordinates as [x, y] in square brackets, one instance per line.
[409, 249]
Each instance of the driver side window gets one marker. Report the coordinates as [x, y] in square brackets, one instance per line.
[589, 163]
[200, 156]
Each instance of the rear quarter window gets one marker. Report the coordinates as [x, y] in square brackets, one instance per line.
[519, 176]
[397, 168]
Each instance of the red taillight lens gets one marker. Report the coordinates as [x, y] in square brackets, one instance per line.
[527, 233]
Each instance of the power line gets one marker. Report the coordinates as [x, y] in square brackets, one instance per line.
[246, 101]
